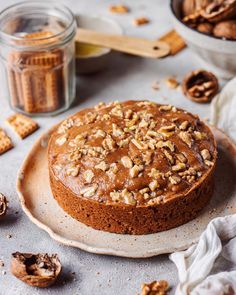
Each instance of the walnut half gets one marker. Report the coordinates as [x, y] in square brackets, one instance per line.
[39, 270]
[3, 205]
[200, 86]
[155, 288]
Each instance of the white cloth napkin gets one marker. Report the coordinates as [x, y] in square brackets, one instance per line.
[196, 263]
[223, 109]
[200, 267]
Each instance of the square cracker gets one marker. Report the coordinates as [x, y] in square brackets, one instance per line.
[22, 125]
[5, 142]
[174, 40]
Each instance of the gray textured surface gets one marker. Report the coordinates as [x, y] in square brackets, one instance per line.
[126, 78]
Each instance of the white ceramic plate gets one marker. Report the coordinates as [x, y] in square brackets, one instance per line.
[38, 203]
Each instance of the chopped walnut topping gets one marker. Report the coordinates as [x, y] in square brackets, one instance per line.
[89, 191]
[152, 134]
[99, 106]
[127, 162]
[105, 117]
[155, 200]
[179, 167]
[90, 117]
[73, 170]
[153, 185]
[190, 172]
[102, 166]
[168, 144]
[205, 154]
[108, 143]
[155, 173]
[88, 176]
[209, 163]
[181, 158]
[174, 179]
[67, 124]
[117, 111]
[115, 196]
[184, 125]
[143, 123]
[165, 108]
[186, 137]
[100, 133]
[199, 135]
[128, 197]
[167, 130]
[134, 171]
[155, 288]
[147, 157]
[128, 114]
[123, 142]
[117, 132]
[139, 145]
[61, 140]
[144, 190]
[114, 168]
[169, 156]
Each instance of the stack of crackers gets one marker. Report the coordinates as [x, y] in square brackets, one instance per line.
[36, 78]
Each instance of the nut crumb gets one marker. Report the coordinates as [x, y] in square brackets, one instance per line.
[140, 21]
[171, 82]
[122, 9]
[155, 85]
[88, 176]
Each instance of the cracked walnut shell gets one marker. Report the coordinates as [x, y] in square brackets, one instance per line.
[38, 270]
[3, 205]
[200, 86]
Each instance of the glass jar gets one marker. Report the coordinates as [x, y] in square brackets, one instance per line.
[37, 51]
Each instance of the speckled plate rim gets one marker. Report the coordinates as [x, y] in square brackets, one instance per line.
[85, 246]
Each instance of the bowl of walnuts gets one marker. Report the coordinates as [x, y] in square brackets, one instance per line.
[209, 29]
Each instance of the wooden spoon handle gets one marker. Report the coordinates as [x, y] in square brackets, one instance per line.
[131, 45]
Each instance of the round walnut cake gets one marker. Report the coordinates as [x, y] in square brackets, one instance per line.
[132, 167]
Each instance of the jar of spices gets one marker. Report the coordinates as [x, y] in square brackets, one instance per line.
[37, 51]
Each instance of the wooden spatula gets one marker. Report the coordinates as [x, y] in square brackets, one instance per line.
[131, 45]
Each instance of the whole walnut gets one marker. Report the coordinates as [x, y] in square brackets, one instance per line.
[205, 28]
[191, 6]
[225, 29]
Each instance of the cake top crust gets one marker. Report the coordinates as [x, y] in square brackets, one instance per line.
[137, 153]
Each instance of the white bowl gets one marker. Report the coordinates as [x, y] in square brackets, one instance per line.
[218, 55]
[98, 60]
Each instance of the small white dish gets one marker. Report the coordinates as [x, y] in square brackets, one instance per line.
[38, 203]
[217, 55]
[99, 59]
